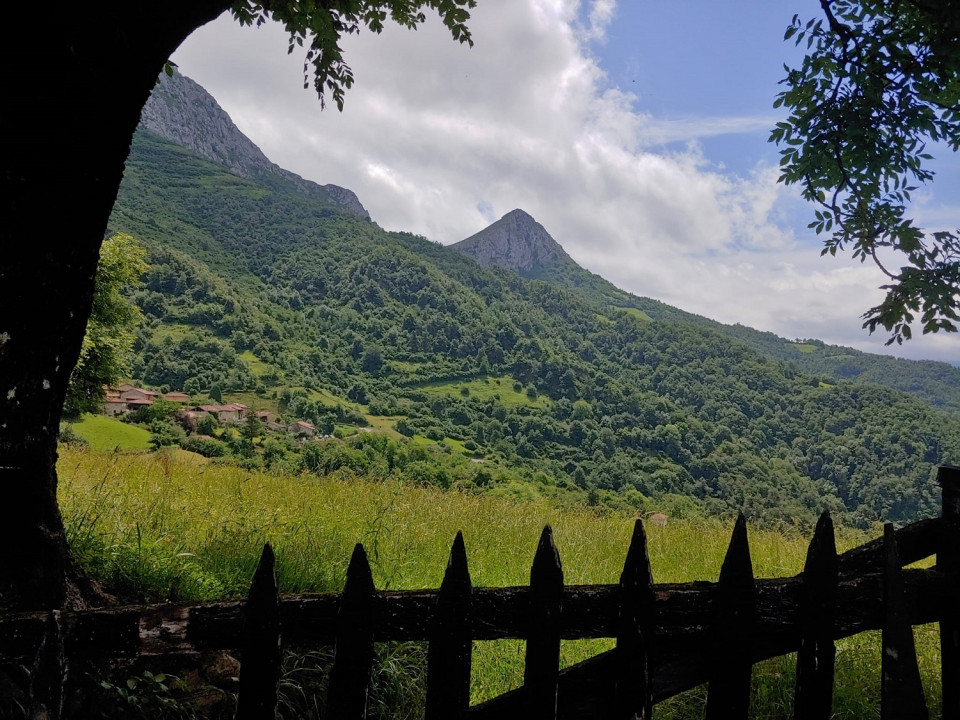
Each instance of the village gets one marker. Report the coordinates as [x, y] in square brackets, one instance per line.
[127, 398]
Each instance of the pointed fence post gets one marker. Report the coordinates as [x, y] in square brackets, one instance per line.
[353, 654]
[948, 562]
[728, 695]
[901, 692]
[816, 659]
[260, 656]
[450, 652]
[633, 694]
[542, 668]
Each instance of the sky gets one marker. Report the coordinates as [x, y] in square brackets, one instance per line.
[634, 131]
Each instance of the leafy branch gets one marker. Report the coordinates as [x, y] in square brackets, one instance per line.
[880, 81]
[319, 26]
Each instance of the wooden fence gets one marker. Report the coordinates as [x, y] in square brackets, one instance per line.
[669, 637]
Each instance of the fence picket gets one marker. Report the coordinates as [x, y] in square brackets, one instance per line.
[948, 562]
[542, 663]
[353, 653]
[901, 692]
[633, 694]
[816, 658]
[728, 693]
[451, 641]
[260, 656]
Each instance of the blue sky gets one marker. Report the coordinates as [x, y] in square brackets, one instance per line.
[635, 132]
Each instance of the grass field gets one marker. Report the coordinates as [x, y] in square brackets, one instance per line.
[107, 434]
[165, 526]
[487, 388]
[635, 312]
[255, 364]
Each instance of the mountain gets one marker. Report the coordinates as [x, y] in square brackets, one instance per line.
[181, 111]
[516, 242]
[289, 301]
[519, 243]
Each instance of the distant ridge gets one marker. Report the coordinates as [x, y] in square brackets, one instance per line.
[183, 112]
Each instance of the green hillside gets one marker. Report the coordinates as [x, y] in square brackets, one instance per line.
[264, 289]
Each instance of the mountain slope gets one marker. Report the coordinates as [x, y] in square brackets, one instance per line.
[181, 111]
[258, 287]
[518, 242]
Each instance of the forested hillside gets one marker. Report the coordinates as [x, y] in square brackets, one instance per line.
[271, 290]
[517, 242]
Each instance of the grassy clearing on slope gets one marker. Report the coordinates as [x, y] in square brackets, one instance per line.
[486, 388]
[107, 434]
[163, 526]
[635, 312]
[256, 366]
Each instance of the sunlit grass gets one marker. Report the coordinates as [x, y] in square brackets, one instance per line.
[172, 526]
[485, 388]
[108, 434]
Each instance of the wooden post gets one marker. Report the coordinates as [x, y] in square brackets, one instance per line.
[542, 666]
[353, 655]
[260, 655]
[633, 694]
[901, 692]
[948, 562]
[728, 695]
[813, 692]
[451, 641]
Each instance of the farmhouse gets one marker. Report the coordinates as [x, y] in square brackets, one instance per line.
[126, 398]
[232, 413]
[270, 420]
[303, 429]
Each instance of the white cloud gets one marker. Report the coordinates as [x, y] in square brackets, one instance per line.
[438, 139]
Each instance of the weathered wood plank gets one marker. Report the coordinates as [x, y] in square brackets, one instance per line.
[816, 658]
[948, 562]
[901, 692]
[260, 656]
[450, 652]
[728, 694]
[916, 541]
[633, 691]
[353, 656]
[542, 662]
[683, 612]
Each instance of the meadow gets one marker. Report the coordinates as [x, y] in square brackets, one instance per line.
[174, 526]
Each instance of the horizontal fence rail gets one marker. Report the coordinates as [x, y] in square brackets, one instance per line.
[669, 637]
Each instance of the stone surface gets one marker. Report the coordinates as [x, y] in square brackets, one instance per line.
[515, 242]
[183, 112]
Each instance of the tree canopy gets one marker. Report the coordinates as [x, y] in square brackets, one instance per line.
[320, 29]
[105, 353]
[878, 89]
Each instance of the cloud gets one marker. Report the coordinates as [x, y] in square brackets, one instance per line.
[439, 139]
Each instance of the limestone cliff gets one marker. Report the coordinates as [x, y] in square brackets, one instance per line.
[515, 242]
[183, 112]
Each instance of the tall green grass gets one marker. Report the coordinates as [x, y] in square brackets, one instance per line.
[172, 526]
[107, 434]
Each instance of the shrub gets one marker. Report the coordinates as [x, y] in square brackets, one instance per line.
[208, 447]
[69, 436]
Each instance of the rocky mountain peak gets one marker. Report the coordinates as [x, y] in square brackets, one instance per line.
[515, 242]
[183, 112]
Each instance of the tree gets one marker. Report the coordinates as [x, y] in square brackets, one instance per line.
[105, 352]
[880, 82]
[76, 104]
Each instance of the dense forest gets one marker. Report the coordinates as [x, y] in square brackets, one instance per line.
[563, 382]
